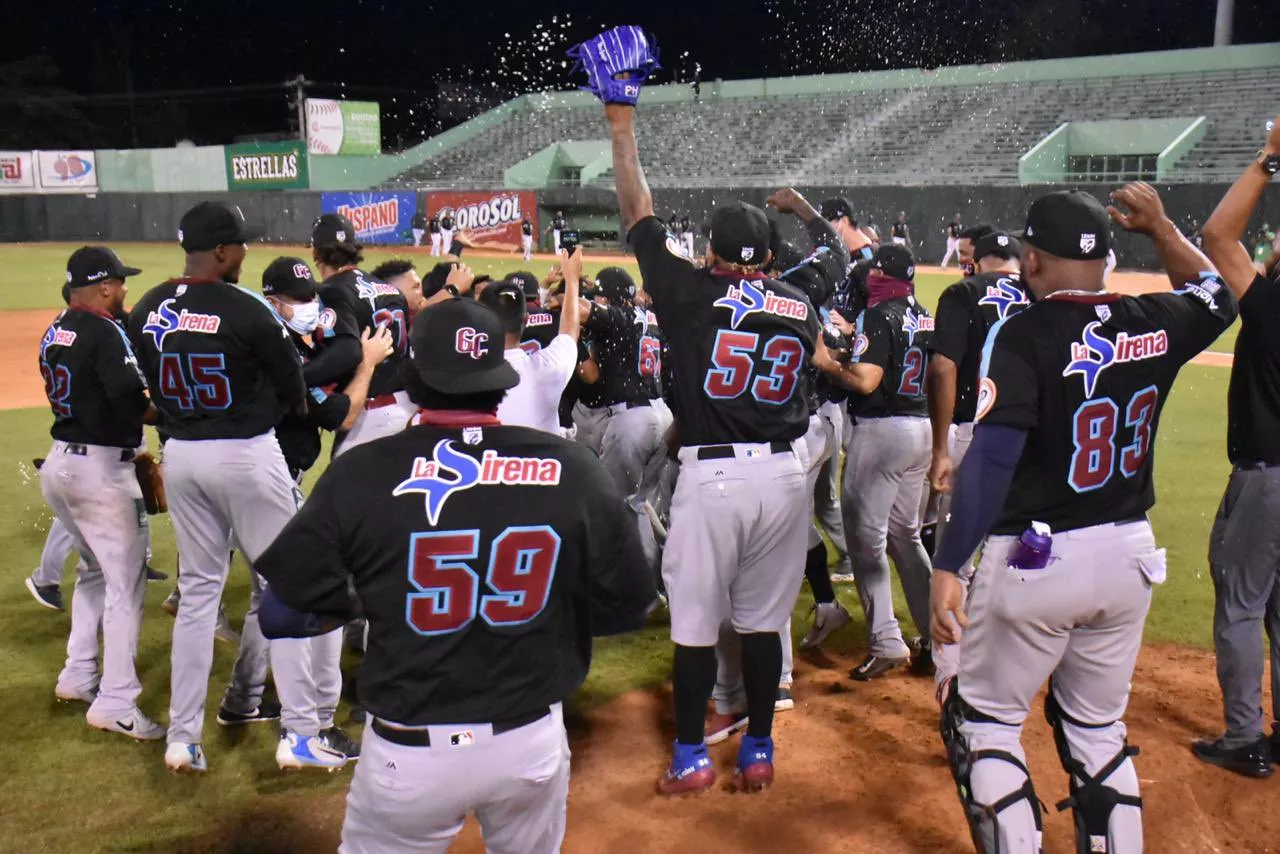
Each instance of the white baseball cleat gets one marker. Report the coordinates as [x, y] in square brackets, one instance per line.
[184, 758]
[307, 751]
[75, 695]
[134, 724]
[828, 617]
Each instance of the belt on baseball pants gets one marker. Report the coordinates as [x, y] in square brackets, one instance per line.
[726, 452]
[421, 737]
[616, 408]
[126, 454]
[380, 400]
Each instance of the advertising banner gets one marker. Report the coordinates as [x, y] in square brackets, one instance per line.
[488, 214]
[343, 127]
[379, 217]
[17, 172]
[67, 171]
[267, 166]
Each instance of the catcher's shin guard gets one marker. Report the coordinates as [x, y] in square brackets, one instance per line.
[1092, 801]
[984, 818]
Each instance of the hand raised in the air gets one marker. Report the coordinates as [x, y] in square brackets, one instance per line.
[376, 346]
[553, 276]
[571, 264]
[1273, 136]
[460, 277]
[845, 326]
[789, 200]
[1146, 212]
[946, 608]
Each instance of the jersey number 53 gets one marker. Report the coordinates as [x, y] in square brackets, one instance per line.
[739, 362]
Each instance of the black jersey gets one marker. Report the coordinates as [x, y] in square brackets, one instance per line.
[899, 229]
[558, 223]
[518, 548]
[433, 225]
[966, 312]
[953, 230]
[1253, 398]
[446, 222]
[372, 303]
[92, 380]
[738, 344]
[526, 228]
[218, 362]
[327, 362]
[1087, 375]
[299, 434]
[628, 347]
[686, 225]
[894, 334]
[419, 221]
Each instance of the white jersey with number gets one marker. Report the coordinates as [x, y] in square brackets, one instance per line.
[535, 402]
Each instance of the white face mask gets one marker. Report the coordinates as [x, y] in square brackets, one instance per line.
[305, 317]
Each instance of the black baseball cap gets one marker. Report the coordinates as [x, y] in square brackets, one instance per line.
[835, 208]
[289, 277]
[526, 280]
[212, 224]
[896, 261]
[458, 348]
[333, 229]
[615, 284]
[93, 265]
[997, 243]
[1070, 224]
[740, 234]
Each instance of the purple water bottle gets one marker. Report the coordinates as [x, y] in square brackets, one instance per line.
[1033, 549]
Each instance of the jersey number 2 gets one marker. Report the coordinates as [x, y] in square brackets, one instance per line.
[912, 382]
[1094, 432]
[734, 359]
[522, 565]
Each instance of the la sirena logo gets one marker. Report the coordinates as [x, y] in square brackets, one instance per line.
[746, 298]
[449, 471]
[164, 320]
[1093, 354]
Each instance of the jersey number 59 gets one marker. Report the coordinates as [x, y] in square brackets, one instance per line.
[521, 566]
[734, 360]
[1094, 433]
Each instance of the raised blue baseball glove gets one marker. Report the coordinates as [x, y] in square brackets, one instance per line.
[617, 63]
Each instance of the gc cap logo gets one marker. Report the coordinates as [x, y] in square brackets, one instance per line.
[302, 271]
[470, 342]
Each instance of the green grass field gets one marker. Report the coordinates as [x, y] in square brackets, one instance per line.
[68, 788]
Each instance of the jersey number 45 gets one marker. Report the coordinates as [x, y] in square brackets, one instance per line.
[520, 568]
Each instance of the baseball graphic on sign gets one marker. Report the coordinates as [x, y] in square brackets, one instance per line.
[324, 126]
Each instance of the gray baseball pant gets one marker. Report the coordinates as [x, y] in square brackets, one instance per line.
[1244, 560]
[826, 494]
[946, 658]
[378, 422]
[58, 546]
[415, 799]
[884, 471]
[1078, 620]
[219, 489]
[591, 423]
[94, 492]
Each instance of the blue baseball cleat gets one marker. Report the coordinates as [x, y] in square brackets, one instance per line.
[755, 764]
[307, 751]
[691, 771]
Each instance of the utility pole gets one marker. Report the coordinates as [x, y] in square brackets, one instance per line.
[299, 85]
[1222, 24]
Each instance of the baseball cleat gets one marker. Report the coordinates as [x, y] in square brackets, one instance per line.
[134, 724]
[170, 603]
[691, 771]
[154, 574]
[183, 758]
[719, 727]
[267, 710]
[785, 702]
[222, 629]
[47, 595]
[876, 666]
[338, 740]
[1249, 760]
[828, 617]
[306, 751]
[842, 578]
[755, 764]
[922, 660]
[75, 695]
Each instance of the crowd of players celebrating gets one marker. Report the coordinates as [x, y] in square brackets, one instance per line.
[520, 465]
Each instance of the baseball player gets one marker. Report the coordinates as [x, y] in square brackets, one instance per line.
[686, 234]
[354, 296]
[223, 372]
[952, 233]
[526, 237]
[446, 230]
[433, 228]
[403, 276]
[1059, 475]
[739, 341]
[899, 232]
[839, 212]
[99, 403]
[418, 225]
[966, 312]
[558, 225]
[964, 247]
[887, 454]
[518, 548]
[535, 402]
[1242, 546]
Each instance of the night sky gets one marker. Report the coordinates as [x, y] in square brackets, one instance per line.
[433, 64]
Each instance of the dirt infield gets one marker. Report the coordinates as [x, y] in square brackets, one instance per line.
[860, 769]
